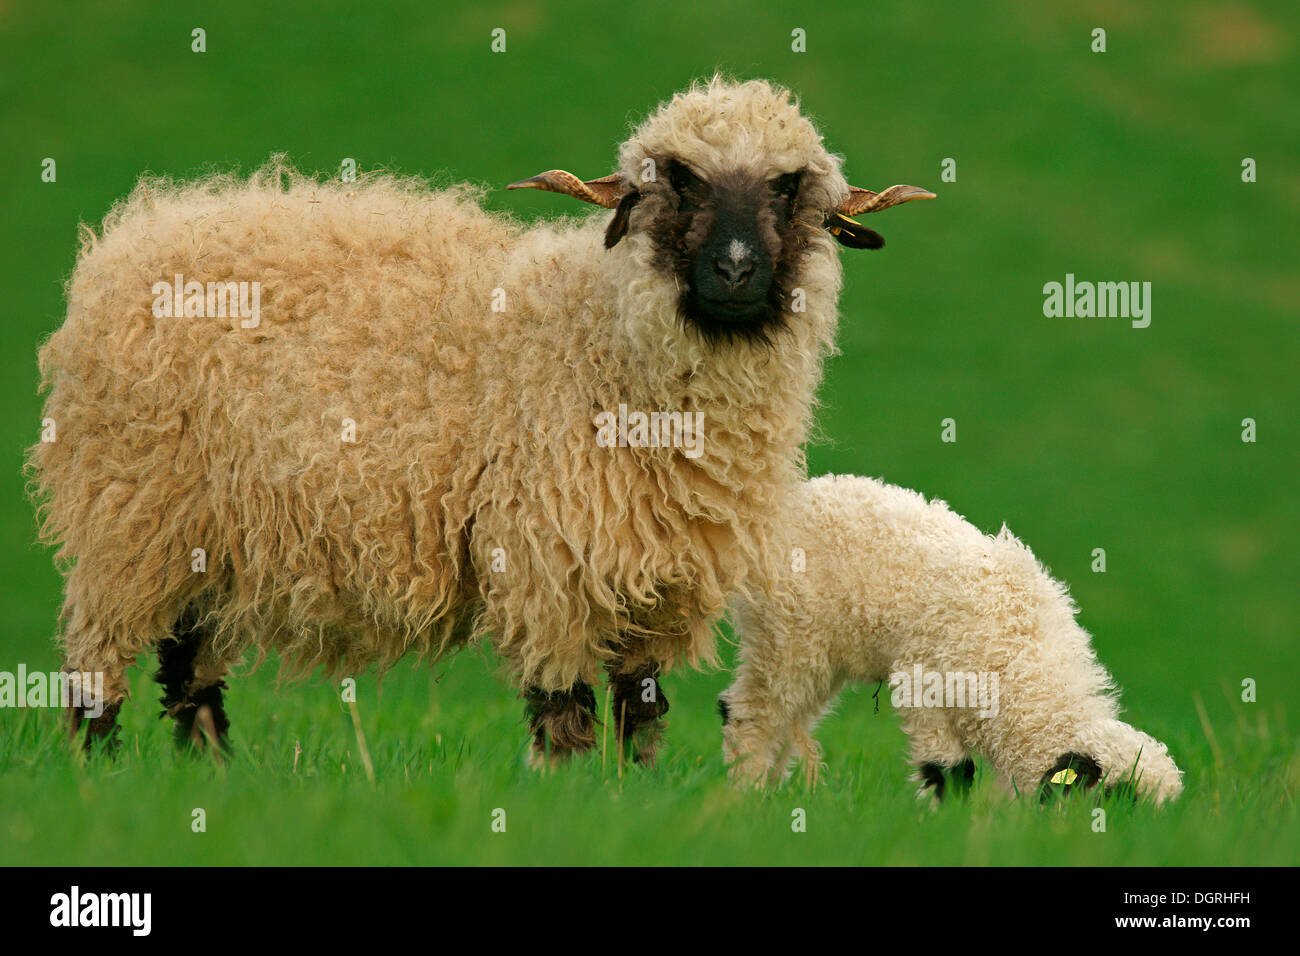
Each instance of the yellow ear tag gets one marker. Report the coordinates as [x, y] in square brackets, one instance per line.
[838, 223]
[1066, 776]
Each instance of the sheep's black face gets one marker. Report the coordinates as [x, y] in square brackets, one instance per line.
[732, 246]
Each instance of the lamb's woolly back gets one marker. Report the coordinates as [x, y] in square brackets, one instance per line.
[910, 568]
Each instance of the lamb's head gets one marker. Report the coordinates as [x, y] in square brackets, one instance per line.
[734, 192]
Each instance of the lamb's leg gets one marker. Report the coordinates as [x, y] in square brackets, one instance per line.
[943, 764]
[637, 707]
[768, 715]
[561, 722]
[961, 777]
[755, 736]
[192, 686]
[809, 751]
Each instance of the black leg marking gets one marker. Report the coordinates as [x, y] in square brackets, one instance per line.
[101, 731]
[1071, 772]
[932, 776]
[199, 713]
[639, 703]
[724, 710]
[561, 721]
[962, 777]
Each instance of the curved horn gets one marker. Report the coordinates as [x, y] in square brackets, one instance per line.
[864, 200]
[606, 191]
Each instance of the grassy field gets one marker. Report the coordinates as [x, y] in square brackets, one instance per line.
[1078, 433]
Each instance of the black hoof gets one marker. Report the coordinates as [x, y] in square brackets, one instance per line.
[202, 723]
[200, 715]
[962, 777]
[947, 781]
[102, 732]
[639, 704]
[561, 722]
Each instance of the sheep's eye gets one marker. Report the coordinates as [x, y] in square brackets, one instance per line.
[682, 179]
[786, 185]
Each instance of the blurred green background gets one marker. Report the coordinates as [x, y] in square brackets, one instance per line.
[1078, 433]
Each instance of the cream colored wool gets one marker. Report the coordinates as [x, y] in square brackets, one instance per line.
[891, 582]
[475, 437]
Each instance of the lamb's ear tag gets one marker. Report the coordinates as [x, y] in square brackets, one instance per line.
[1066, 777]
[853, 234]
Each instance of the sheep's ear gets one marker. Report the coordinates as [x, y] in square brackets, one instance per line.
[853, 234]
[864, 200]
[606, 191]
[860, 201]
[618, 225]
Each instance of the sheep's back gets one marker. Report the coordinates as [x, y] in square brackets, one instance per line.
[307, 449]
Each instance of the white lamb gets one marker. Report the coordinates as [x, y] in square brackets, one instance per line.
[980, 646]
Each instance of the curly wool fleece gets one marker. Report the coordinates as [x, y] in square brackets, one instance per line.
[474, 496]
[894, 585]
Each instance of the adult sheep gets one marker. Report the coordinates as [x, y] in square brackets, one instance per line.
[980, 645]
[411, 445]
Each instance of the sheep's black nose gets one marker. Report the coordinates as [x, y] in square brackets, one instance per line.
[734, 272]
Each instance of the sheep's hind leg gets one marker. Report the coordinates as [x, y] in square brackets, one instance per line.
[561, 722]
[101, 731]
[638, 706]
[190, 697]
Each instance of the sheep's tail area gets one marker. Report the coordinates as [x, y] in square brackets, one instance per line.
[150, 478]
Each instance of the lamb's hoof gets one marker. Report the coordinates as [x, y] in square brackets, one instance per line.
[961, 777]
[1072, 772]
[945, 782]
[749, 773]
[1125, 789]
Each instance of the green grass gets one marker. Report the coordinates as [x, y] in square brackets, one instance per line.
[443, 768]
[1077, 433]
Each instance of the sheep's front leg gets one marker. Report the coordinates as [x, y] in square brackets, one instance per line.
[942, 761]
[637, 707]
[192, 686]
[561, 722]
